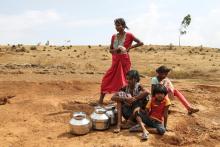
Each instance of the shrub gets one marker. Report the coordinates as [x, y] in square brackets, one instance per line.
[33, 48]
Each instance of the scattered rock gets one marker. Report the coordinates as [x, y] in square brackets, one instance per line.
[89, 72]
[22, 49]
[5, 99]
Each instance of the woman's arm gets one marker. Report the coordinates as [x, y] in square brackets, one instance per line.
[138, 43]
[112, 50]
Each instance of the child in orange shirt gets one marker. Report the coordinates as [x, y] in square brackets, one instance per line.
[156, 112]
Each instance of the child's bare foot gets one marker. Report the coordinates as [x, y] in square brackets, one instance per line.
[192, 110]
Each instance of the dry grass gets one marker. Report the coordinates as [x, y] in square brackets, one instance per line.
[185, 61]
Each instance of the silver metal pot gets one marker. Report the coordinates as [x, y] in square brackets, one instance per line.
[112, 114]
[100, 120]
[80, 124]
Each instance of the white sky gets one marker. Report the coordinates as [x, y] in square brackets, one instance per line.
[91, 21]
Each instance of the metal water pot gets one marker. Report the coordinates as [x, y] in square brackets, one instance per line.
[112, 114]
[100, 120]
[80, 124]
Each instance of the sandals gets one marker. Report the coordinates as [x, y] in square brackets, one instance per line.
[137, 128]
[144, 136]
[192, 110]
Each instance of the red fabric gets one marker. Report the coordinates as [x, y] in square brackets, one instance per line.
[115, 77]
[182, 99]
[128, 40]
[157, 110]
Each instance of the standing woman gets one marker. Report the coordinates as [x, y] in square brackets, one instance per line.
[121, 43]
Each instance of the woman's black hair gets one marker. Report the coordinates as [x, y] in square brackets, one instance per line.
[163, 69]
[133, 74]
[158, 88]
[122, 22]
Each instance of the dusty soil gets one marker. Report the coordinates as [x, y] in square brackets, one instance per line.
[44, 85]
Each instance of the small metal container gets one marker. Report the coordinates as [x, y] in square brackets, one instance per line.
[80, 124]
[100, 120]
[112, 114]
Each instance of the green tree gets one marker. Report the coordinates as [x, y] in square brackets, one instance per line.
[184, 24]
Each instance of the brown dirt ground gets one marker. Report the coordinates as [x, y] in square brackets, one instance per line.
[52, 82]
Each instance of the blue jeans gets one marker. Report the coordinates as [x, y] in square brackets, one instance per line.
[153, 123]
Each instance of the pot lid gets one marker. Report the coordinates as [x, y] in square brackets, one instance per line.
[110, 107]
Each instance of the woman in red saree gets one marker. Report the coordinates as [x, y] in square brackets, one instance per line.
[115, 78]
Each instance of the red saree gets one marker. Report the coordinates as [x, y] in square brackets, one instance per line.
[115, 77]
